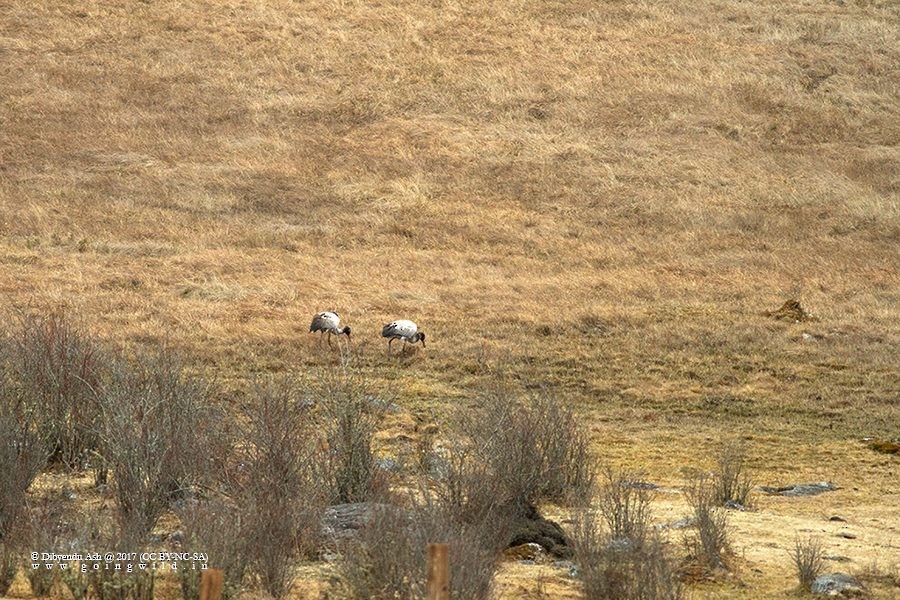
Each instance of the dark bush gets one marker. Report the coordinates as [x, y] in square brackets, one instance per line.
[9, 564]
[625, 507]
[44, 529]
[23, 453]
[536, 449]
[215, 527]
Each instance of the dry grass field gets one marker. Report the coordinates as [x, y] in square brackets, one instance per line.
[599, 198]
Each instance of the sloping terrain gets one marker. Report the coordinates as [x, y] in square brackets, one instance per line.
[599, 198]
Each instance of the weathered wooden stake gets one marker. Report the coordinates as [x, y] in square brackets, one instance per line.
[211, 581]
[438, 587]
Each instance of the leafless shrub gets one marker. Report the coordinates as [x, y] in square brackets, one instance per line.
[151, 437]
[275, 483]
[707, 544]
[625, 507]
[387, 560]
[9, 564]
[536, 449]
[733, 483]
[88, 531]
[56, 366]
[45, 528]
[23, 453]
[214, 527]
[350, 420]
[808, 556]
[628, 559]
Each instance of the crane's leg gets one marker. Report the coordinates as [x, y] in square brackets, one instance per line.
[390, 341]
[329, 340]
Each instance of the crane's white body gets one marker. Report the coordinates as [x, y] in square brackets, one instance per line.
[328, 322]
[402, 329]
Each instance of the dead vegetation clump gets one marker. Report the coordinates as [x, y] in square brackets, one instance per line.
[214, 526]
[733, 483]
[708, 542]
[23, 453]
[791, 311]
[535, 448]
[619, 552]
[809, 560]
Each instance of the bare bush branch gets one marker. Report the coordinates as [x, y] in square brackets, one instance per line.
[215, 527]
[537, 449]
[733, 483]
[708, 543]
[151, 437]
[809, 560]
[387, 560]
[23, 453]
[350, 419]
[275, 483]
[56, 367]
[629, 559]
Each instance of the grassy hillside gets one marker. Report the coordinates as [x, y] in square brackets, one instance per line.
[601, 198]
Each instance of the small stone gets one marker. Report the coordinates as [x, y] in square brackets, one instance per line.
[837, 518]
[69, 494]
[837, 584]
[735, 505]
[847, 535]
[176, 536]
[679, 524]
[641, 485]
[330, 557]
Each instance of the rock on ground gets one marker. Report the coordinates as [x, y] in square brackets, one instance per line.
[801, 489]
[837, 585]
[345, 520]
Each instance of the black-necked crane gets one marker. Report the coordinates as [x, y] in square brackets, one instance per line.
[402, 330]
[328, 322]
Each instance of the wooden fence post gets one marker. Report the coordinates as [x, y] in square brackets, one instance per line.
[211, 581]
[438, 586]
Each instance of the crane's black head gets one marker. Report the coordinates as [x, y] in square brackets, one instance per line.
[346, 331]
[422, 338]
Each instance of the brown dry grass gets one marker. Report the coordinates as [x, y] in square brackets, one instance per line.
[598, 197]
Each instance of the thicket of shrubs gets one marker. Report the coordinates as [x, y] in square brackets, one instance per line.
[251, 488]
